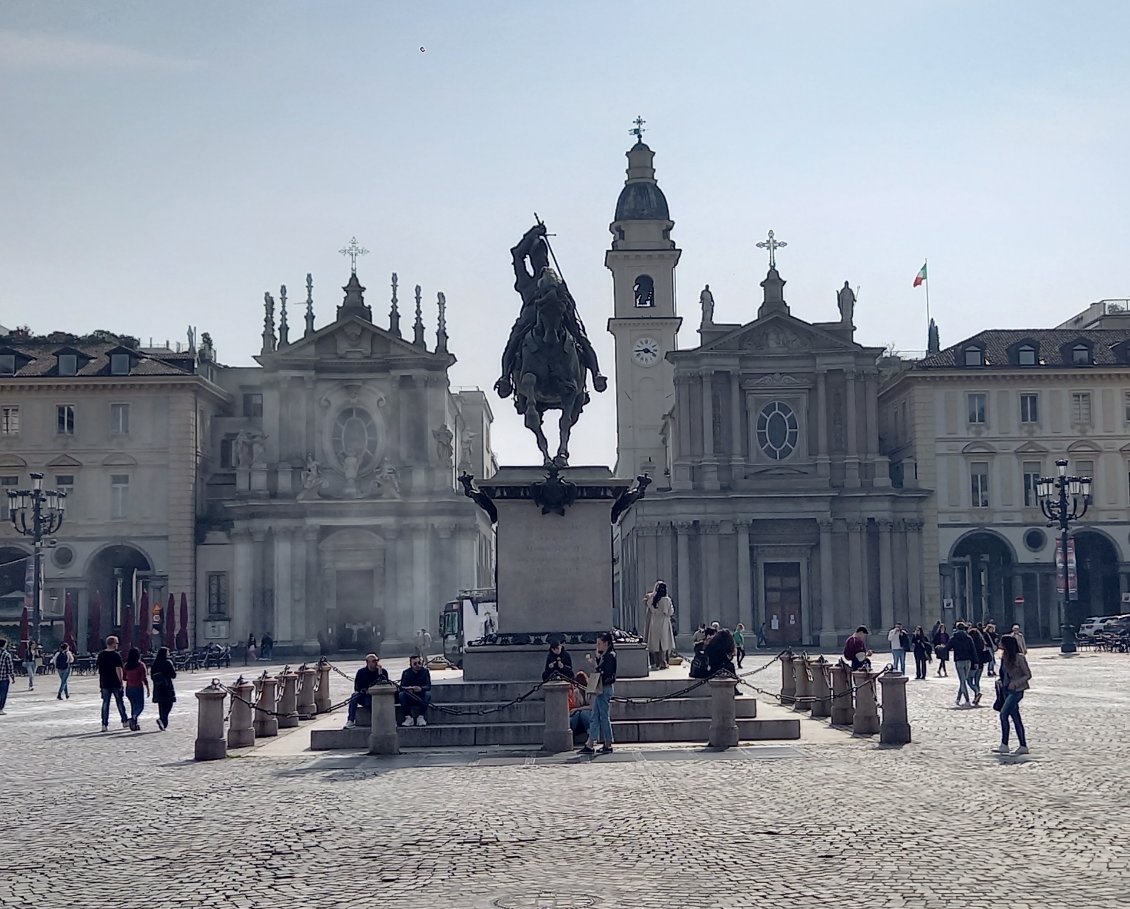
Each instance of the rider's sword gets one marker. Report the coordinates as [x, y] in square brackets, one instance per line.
[552, 255]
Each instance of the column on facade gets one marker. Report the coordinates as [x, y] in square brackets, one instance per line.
[852, 429]
[283, 629]
[736, 446]
[822, 442]
[682, 456]
[315, 615]
[685, 597]
[856, 568]
[708, 540]
[395, 605]
[243, 567]
[914, 570]
[726, 592]
[709, 459]
[828, 636]
[258, 580]
[421, 563]
[871, 389]
[887, 577]
[299, 600]
[745, 576]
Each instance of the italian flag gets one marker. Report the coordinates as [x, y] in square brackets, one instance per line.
[920, 278]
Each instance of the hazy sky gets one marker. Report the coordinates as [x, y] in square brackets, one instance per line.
[166, 163]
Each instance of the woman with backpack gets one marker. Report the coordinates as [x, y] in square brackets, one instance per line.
[64, 659]
[137, 686]
[164, 694]
[1012, 682]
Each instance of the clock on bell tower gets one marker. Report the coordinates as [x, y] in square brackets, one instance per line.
[644, 323]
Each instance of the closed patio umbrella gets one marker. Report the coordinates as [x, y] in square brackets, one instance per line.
[69, 624]
[171, 623]
[144, 623]
[94, 627]
[25, 636]
[127, 629]
[182, 634]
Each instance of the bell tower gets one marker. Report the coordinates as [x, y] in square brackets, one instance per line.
[644, 321]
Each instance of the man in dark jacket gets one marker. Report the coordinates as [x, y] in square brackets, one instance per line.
[367, 676]
[965, 655]
[557, 662]
[981, 645]
[415, 692]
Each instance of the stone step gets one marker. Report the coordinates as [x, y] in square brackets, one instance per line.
[530, 734]
[457, 691]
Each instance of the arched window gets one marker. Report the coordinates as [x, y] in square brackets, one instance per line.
[645, 291]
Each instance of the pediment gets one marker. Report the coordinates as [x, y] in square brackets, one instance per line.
[119, 459]
[1083, 445]
[12, 460]
[1031, 448]
[978, 448]
[64, 460]
[779, 333]
[351, 337]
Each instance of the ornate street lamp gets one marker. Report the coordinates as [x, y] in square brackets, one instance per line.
[36, 513]
[1064, 499]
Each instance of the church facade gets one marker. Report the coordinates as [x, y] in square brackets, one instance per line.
[772, 501]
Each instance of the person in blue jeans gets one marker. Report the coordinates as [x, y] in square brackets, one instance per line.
[111, 682]
[63, 660]
[1012, 683]
[604, 666]
[7, 672]
[372, 673]
[900, 644]
[415, 692]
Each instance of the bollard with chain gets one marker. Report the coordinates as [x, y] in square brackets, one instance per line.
[241, 730]
[843, 708]
[803, 683]
[322, 702]
[288, 699]
[723, 712]
[210, 744]
[788, 680]
[558, 736]
[895, 727]
[306, 677]
[266, 723]
[383, 737]
[866, 721]
[821, 689]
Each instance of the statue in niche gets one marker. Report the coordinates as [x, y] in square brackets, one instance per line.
[706, 301]
[243, 449]
[312, 480]
[351, 467]
[467, 451]
[444, 450]
[258, 450]
[386, 478]
[845, 300]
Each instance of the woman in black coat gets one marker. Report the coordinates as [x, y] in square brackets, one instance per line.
[923, 652]
[164, 694]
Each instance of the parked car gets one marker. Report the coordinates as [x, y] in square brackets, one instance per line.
[1099, 624]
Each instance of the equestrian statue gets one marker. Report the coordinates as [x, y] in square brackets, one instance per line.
[548, 356]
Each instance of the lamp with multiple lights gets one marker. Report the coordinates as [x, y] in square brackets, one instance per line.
[36, 513]
[1063, 499]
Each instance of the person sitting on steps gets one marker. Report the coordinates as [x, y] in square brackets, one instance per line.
[415, 692]
[367, 676]
[557, 662]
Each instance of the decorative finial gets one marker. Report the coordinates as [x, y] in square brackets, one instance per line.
[772, 244]
[309, 305]
[284, 329]
[418, 328]
[268, 324]
[353, 251]
[394, 313]
[441, 323]
[638, 131]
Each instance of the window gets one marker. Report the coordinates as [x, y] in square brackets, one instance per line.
[217, 594]
[974, 356]
[1081, 355]
[1030, 408]
[1084, 469]
[7, 364]
[777, 430]
[65, 416]
[10, 420]
[119, 419]
[1026, 355]
[979, 484]
[1033, 470]
[644, 288]
[253, 404]
[65, 482]
[119, 364]
[1081, 408]
[8, 482]
[119, 496]
[68, 364]
[976, 407]
[1126, 404]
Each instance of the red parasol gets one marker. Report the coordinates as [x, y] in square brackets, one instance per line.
[182, 635]
[127, 629]
[25, 635]
[170, 621]
[69, 624]
[94, 621]
[144, 623]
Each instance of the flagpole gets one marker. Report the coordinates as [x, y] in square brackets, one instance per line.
[926, 266]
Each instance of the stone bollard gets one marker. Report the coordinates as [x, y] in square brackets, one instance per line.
[306, 678]
[723, 713]
[241, 731]
[266, 723]
[866, 720]
[788, 680]
[843, 706]
[210, 744]
[383, 738]
[558, 736]
[895, 728]
[322, 702]
[821, 690]
[288, 699]
[802, 684]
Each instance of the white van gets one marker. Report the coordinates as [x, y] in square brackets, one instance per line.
[1097, 624]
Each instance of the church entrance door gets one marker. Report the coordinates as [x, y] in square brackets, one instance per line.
[782, 602]
[355, 612]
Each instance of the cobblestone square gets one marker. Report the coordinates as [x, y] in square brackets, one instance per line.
[123, 819]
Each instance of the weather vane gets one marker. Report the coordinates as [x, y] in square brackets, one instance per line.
[772, 244]
[353, 251]
[639, 130]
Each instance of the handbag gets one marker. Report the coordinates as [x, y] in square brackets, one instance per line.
[998, 703]
[595, 685]
[700, 668]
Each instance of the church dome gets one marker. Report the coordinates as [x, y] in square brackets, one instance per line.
[641, 199]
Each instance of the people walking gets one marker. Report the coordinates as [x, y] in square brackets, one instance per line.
[980, 646]
[251, 654]
[923, 652]
[1013, 682]
[762, 641]
[266, 646]
[30, 663]
[900, 644]
[994, 641]
[659, 611]
[164, 692]
[64, 659]
[604, 669]
[964, 653]
[739, 642]
[136, 677]
[941, 641]
[1019, 635]
[7, 673]
[111, 681]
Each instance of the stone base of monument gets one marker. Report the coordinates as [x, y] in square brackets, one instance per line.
[679, 719]
[526, 662]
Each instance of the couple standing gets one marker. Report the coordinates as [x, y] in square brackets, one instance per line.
[659, 614]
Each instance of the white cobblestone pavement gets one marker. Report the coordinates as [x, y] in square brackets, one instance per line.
[128, 819]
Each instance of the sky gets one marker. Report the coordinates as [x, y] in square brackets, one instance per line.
[164, 164]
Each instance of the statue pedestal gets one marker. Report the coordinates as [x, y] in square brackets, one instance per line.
[554, 572]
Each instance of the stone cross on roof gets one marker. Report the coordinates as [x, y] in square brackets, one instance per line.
[353, 250]
[638, 131]
[772, 244]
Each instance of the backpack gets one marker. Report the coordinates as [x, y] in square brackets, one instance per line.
[62, 661]
[904, 641]
[700, 667]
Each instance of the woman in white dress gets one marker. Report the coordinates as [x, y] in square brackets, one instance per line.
[657, 626]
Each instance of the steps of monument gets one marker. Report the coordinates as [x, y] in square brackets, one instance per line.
[458, 691]
[530, 734]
